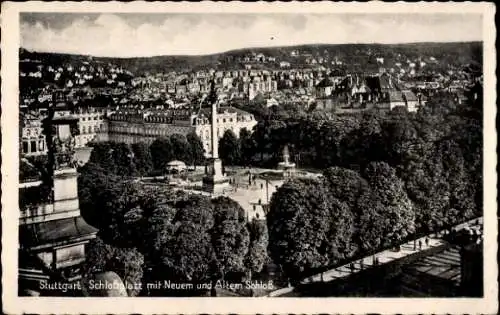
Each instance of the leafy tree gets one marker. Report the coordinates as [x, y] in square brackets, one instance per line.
[125, 262]
[142, 158]
[462, 191]
[157, 228]
[197, 153]
[308, 228]
[247, 146]
[399, 134]
[387, 214]
[180, 148]
[161, 152]
[189, 255]
[260, 137]
[230, 237]
[123, 157]
[346, 185]
[105, 199]
[429, 191]
[331, 133]
[102, 154]
[229, 148]
[196, 209]
[364, 144]
[257, 249]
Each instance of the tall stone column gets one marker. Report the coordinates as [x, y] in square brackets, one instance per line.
[215, 135]
[214, 182]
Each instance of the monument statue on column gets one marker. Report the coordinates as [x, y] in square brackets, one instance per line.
[214, 181]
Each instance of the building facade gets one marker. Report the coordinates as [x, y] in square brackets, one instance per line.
[133, 126]
[228, 118]
[91, 126]
[32, 137]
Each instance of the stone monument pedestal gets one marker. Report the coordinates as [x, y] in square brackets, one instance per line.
[66, 190]
[214, 181]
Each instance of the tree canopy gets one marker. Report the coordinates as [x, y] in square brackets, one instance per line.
[308, 228]
[229, 148]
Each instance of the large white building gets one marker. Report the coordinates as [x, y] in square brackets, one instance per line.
[134, 125]
[228, 118]
[91, 125]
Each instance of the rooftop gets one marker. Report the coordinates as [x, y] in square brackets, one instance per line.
[444, 265]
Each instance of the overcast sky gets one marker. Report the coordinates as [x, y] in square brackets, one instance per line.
[132, 35]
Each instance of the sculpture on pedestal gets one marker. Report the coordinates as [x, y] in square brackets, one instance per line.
[42, 255]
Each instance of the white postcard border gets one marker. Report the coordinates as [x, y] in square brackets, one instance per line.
[9, 126]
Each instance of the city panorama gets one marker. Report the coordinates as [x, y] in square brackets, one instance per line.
[250, 155]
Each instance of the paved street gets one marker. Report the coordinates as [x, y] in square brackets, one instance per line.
[383, 257]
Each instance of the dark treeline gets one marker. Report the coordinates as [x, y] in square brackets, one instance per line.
[154, 235]
[142, 159]
[388, 178]
[320, 140]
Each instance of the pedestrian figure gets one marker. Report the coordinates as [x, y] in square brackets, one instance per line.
[261, 186]
[427, 241]
[352, 267]
[414, 244]
[260, 201]
[420, 244]
[361, 264]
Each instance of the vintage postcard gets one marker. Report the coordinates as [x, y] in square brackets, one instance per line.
[248, 158]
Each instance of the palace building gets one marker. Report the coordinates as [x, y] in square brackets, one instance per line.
[136, 125]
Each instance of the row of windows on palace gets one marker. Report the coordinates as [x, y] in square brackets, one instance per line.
[96, 117]
[170, 119]
[93, 127]
[204, 134]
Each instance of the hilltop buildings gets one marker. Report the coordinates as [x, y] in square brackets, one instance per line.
[111, 103]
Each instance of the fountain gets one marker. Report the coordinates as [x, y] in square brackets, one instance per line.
[286, 166]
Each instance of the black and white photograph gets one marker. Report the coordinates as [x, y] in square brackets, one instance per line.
[264, 152]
